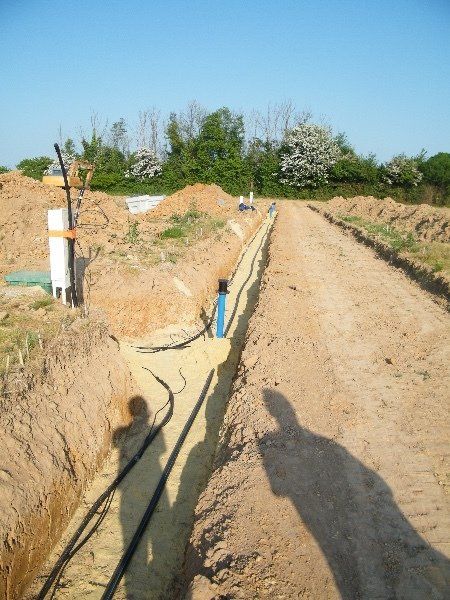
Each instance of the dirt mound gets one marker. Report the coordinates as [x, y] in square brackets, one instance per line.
[209, 198]
[23, 220]
[130, 270]
[426, 222]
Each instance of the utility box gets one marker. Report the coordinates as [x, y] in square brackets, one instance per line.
[30, 279]
[58, 224]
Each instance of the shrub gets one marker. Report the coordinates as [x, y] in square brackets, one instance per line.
[356, 169]
[3, 169]
[436, 170]
[145, 164]
[308, 155]
[34, 167]
[402, 170]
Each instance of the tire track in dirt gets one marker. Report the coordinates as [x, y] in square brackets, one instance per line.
[330, 477]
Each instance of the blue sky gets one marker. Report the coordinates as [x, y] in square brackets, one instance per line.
[378, 70]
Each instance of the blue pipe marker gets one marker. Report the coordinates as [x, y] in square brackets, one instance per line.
[223, 291]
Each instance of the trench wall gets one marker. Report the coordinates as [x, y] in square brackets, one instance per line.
[57, 419]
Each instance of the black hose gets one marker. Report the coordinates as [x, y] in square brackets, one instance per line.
[128, 554]
[185, 343]
[70, 549]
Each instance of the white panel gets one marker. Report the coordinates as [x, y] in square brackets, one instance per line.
[58, 220]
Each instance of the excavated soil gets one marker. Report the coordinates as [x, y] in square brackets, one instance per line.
[428, 223]
[57, 417]
[330, 479]
[154, 570]
[139, 280]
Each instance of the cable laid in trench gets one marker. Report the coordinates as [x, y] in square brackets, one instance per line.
[241, 289]
[186, 342]
[129, 552]
[105, 499]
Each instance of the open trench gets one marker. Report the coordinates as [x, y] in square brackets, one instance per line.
[154, 571]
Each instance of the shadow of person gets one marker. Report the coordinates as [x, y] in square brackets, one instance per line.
[371, 548]
[135, 492]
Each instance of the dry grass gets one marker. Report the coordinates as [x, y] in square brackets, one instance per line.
[433, 254]
[27, 324]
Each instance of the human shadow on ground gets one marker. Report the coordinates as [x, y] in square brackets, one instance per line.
[163, 570]
[371, 548]
[136, 490]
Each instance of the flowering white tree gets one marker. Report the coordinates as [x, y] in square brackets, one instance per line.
[310, 153]
[402, 170]
[146, 164]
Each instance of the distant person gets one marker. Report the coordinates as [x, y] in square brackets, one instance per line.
[243, 206]
[272, 209]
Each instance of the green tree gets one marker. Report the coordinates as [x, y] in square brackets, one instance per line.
[3, 169]
[34, 167]
[356, 169]
[436, 170]
[218, 151]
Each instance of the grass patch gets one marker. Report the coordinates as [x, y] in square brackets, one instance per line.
[41, 303]
[173, 233]
[433, 254]
[24, 332]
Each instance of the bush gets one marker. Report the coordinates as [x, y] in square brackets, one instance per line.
[436, 171]
[402, 170]
[309, 154]
[34, 167]
[356, 169]
[145, 165]
[3, 169]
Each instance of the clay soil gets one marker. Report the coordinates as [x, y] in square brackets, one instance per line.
[330, 477]
[140, 279]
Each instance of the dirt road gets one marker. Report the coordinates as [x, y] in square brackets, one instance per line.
[330, 478]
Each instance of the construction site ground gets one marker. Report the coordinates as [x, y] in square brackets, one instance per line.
[330, 479]
[155, 571]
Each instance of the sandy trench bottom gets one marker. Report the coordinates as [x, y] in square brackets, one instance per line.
[155, 569]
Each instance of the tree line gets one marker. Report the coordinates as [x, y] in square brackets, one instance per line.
[276, 153]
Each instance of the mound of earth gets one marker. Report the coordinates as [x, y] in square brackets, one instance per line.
[428, 223]
[205, 197]
[141, 279]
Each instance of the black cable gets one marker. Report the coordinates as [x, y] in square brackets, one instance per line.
[129, 552]
[184, 344]
[70, 550]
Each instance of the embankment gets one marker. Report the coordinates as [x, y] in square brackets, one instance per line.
[56, 419]
[411, 260]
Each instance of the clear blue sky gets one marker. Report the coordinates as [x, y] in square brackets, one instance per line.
[378, 70]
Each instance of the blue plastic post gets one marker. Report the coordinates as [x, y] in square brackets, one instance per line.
[221, 302]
